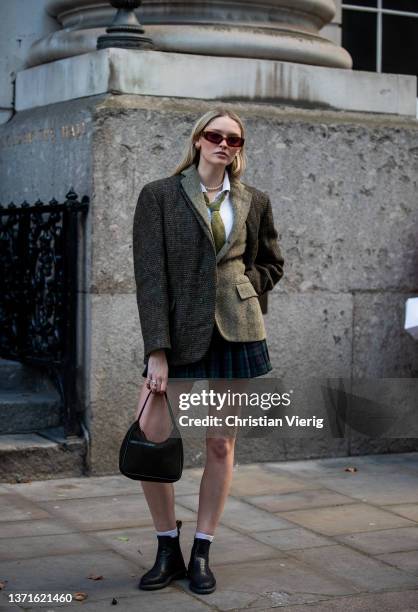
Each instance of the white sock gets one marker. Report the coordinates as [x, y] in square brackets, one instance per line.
[204, 536]
[171, 532]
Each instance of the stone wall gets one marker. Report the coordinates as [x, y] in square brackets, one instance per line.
[343, 189]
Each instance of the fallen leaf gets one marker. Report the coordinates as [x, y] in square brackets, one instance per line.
[114, 602]
[95, 577]
[123, 539]
[80, 596]
[350, 469]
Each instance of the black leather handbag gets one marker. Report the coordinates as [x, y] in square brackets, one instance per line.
[142, 459]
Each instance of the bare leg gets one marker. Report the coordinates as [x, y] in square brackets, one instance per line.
[215, 483]
[217, 476]
[156, 424]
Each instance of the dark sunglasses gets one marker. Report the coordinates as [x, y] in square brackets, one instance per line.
[215, 138]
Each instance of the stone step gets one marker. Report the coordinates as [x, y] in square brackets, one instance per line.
[15, 375]
[42, 455]
[29, 411]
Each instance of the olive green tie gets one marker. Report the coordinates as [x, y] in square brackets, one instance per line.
[218, 228]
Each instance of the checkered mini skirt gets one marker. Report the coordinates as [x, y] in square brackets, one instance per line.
[225, 359]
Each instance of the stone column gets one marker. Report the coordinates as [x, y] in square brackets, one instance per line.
[286, 30]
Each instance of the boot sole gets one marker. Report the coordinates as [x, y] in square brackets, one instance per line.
[202, 591]
[161, 585]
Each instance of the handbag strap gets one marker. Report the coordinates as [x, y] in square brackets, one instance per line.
[169, 409]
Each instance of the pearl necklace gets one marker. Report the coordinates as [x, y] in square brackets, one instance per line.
[213, 188]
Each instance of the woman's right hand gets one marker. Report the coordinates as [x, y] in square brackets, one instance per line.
[157, 372]
[155, 419]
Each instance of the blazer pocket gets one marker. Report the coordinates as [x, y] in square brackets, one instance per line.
[246, 290]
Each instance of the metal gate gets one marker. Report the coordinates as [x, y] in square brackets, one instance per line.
[39, 256]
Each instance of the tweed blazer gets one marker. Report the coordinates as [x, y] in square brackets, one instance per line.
[183, 286]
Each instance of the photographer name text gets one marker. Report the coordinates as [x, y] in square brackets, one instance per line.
[232, 420]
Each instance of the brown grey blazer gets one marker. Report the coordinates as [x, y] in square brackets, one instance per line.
[183, 286]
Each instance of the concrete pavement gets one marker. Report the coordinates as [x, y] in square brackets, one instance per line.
[298, 535]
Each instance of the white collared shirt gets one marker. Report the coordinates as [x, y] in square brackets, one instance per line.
[226, 210]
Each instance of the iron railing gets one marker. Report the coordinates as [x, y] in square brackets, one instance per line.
[38, 291]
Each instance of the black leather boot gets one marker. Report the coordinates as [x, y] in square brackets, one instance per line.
[201, 577]
[169, 563]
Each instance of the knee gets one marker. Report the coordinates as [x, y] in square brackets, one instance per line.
[220, 449]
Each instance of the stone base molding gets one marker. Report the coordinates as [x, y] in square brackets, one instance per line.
[184, 75]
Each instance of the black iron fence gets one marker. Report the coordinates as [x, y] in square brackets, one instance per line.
[39, 250]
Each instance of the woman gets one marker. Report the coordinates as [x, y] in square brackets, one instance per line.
[205, 248]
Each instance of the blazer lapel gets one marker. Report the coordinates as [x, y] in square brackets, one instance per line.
[240, 200]
[191, 185]
[241, 203]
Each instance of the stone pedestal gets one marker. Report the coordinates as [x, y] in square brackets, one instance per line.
[333, 178]
[179, 75]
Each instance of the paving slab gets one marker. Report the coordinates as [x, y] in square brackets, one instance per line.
[44, 545]
[106, 512]
[142, 602]
[68, 488]
[69, 574]
[313, 468]
[16, 508]
[402, 601]
[294, 538]
[407, 561]
[350, 518]
[375, 488]
[84, 487]
[409, 511]
[385, 541]
[36, 527]
[240, 515]
[358, 568]
[228, 546]
[266, 584]
[301, 499]
[255, 480]
[392, 461]
[372, 464]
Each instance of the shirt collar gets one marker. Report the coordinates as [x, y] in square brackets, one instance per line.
[226, 185]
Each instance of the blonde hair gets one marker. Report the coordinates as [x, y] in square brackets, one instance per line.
[192, 155]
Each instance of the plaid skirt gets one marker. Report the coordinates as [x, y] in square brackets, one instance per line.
[225, 359]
